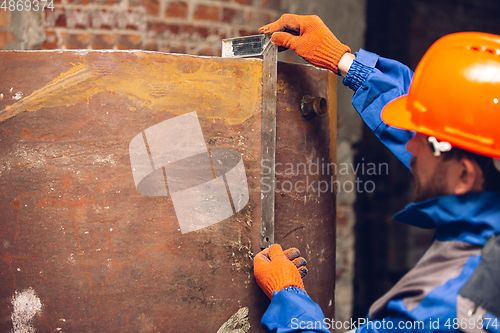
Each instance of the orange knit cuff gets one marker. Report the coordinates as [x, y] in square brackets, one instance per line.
[282, 279]
[328, 54]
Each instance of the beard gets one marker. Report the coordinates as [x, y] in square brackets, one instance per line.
[436, 186]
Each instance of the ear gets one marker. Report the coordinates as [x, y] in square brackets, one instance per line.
[470, 177]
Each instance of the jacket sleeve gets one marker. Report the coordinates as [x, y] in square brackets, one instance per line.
[292, 310]
[376, 81]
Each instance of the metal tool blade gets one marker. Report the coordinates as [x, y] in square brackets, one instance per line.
[269, 94]
[251, 46]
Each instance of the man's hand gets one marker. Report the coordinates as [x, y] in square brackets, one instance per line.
[276, 269]
[315, 42]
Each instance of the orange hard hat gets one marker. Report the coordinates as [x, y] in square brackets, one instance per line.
[455, 94]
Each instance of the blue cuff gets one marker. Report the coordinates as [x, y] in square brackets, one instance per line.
[292, 310]
[361, 67]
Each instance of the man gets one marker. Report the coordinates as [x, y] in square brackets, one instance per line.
[442, 123]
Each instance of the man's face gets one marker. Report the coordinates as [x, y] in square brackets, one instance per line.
[429, 172]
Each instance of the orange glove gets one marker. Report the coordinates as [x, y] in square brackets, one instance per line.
[315, 43]
[300, 263]
[275, 269]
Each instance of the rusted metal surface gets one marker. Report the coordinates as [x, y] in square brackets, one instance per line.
[313, 105]
[305, 150]
[98, 256]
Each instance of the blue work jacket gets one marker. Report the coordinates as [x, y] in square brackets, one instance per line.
[427, 297]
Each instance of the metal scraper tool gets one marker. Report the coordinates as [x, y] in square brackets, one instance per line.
[255, 46]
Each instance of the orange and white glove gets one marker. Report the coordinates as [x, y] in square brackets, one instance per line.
[315, 42]
[275, 269]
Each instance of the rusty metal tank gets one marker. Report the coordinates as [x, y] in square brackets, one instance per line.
[92, 237]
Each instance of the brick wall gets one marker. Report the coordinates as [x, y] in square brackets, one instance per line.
[177, 26]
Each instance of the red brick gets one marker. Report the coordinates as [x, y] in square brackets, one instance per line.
[51, 41]
[152, 6]
[75, 41]
[77, 19]
[131, 20]
[61, 21]
[103, 19]
[206, 13]
[228, 15]
[244, 2]
[178, 29]
[4, 18]
[55, 18]
[102, 41]
[5, 38]
[151, 46]
[177, 9]
[162, 27]
[79, 2]
[207, 51]
[129, 42]
[245, 32]
[222, 36]
[106, 2]
[178, 48]
[272, 4]
[203, 32]
[231, 15]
